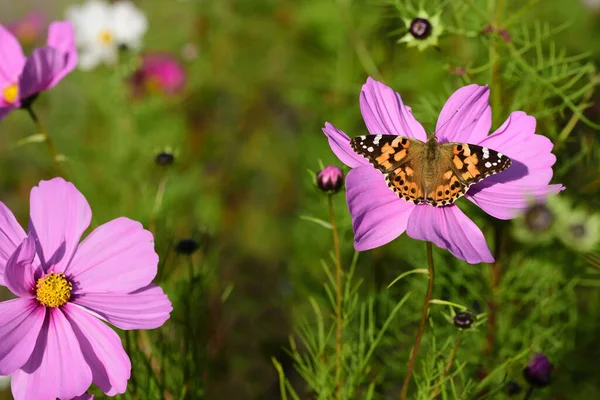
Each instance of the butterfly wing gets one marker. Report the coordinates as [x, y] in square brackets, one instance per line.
[460, 166]
[385, 152]
[399, 158]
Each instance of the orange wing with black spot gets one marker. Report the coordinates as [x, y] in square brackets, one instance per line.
[385, 152]
[461, 165]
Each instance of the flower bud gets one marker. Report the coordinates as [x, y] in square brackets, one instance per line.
[165, 158]
[420, 28]
[463, 320]
[330, 179]
[539, 370]
[187, 246]
[512, 388]
[538, 218]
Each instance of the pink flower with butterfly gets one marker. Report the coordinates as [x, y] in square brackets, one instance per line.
[402, 181]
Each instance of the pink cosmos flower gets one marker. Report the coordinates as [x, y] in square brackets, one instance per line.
[379, 215]
[52, 338]
[22, 77]
[159, 72]
[29, 28]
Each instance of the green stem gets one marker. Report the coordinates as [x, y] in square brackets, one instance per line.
[413, 356]
[529, 393]
[47, 140]
[338, 297]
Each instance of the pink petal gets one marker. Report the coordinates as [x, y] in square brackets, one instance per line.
[146, 308]
[340, 145]
[11, 235]
[505, 195]
[509, 200]
[378, 215]
[384, 113]
[61, 37]
[42, 67]
[84, 396]
[59, 216]
[19, 273]
[466, 116]
[118, 257]
[12, 59]
[102, 349]
[56, 367]
[449, 228]
[20, 326]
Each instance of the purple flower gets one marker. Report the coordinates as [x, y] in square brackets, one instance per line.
[22, 77]
[539, 370]
[330, 179]
[52, 338]
[379, 215]
[29, 28]
[159, 73]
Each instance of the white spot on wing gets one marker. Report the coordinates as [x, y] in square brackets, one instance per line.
[500, 155]
[370, 149]
[488, 164]
[377, 139]
[486, 153]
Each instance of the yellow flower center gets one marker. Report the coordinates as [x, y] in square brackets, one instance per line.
[53, 290]
[105, 37]
[11, 93]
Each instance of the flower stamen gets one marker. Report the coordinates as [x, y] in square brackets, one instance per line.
[53, 290]
[10, 93]
[105, 37]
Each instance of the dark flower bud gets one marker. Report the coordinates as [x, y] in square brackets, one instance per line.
[538, 218]
[463, 320]
[187, 246]
[539, 371]
[577, 230]
[165, 158]
[330, 179]
[420, 28]
[512, 388]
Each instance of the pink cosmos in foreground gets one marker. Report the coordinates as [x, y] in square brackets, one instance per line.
[379, 215]
[52, 338]
[22, 77]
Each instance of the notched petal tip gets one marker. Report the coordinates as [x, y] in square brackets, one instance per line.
[339, 143]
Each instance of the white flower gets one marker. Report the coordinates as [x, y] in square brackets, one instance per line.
[100, 28]
[4, 382]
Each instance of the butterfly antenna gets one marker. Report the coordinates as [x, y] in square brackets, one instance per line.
[447, 121]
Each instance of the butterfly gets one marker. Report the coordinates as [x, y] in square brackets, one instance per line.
[429, 172]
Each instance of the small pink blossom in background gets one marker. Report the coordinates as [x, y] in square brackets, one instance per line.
[29, 28]
[159, 73]
[22, 77]
[52, 338]
[379, 215]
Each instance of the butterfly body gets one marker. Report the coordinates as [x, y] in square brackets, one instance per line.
[429, 172]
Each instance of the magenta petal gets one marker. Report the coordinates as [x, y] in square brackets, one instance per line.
[340, 145]
[384, 113]
[84, 396]
[20, 326]
[449, 228]
[59, 216]
[378, 215]
[42, 67]
[146, 308]
[19, 273]
[466, 116]
[4, 111]
[11, 235]
[507, 194]
[102, 349]
[118, 257]
[12, 59]
[509, 200]
[531, 155]
[56, 367]
[62, 38]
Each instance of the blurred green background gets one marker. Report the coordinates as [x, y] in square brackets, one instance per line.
[245, 131]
